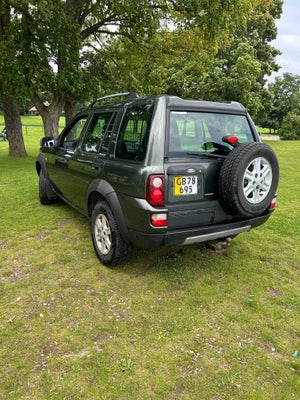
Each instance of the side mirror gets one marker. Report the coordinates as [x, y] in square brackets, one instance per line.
[47, 141]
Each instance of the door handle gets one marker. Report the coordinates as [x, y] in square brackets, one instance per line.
[95, 167]
[61, 162]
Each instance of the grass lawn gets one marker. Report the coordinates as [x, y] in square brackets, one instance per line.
[172, 323]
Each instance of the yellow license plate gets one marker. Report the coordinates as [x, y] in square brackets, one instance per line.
[185, 185]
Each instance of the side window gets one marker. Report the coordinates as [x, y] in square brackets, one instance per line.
[108, 133]
[98, 134]
[71, 137]
[134, 132]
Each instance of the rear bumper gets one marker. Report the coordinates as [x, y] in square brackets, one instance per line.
[217, 235]
[195, 235]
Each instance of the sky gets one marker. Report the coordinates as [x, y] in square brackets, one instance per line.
[288, 38]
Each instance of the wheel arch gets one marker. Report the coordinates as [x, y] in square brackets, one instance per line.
[100, 190]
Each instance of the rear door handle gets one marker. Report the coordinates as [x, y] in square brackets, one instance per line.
[95, 167]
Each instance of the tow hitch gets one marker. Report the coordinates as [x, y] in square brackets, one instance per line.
[219, 246]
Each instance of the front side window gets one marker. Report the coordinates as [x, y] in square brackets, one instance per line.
[192, 132]
[71, 136]
[98, 133]
[134, 132]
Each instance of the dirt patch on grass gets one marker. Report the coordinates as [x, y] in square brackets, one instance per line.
[275, 292]
[64, 222]
[3, 245]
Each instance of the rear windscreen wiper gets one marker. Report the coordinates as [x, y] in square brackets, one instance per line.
[205, 154]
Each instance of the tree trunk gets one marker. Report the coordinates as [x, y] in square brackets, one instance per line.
[70, 108]
[50, 114]
[14, 127]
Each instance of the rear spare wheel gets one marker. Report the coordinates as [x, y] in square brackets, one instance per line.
[248, 179]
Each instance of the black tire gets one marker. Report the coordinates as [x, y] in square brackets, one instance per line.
[108, 242]
[248, 179]
[46, 195]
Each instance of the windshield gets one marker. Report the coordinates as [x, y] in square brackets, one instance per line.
[202, 132]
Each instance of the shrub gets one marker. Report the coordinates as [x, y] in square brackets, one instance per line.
[290, 128]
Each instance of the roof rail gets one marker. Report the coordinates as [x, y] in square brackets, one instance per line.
[131, 95]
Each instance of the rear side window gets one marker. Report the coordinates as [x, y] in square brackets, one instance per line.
[134, 131]
[191, 132]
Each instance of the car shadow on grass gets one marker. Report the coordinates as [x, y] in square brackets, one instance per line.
[173, 262]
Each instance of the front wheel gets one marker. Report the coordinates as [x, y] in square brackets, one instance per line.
[108, 243]
[46, 195]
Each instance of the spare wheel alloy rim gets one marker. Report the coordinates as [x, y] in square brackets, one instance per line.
[257, 180]
[103, 234]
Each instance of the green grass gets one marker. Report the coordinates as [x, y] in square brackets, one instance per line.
[172, 323]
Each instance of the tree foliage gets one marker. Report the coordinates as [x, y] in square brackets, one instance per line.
[285, 109]
[67, 51]
[290, 127]
[232, 65]
[249, 58]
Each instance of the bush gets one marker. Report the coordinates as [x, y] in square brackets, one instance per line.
[290, 128]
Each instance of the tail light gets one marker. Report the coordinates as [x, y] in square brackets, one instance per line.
[155, 193]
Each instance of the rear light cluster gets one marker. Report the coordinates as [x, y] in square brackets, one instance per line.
[156, 190]
[155, 195]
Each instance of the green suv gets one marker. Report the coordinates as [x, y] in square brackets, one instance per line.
[159, 170]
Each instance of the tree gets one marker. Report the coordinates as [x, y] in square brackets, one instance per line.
[290, 127]
[8, 93]
[61, 48]
[59, 32]
[241, 66]
[51, 37]
[232, 65]
[169, 62]
[285, 91]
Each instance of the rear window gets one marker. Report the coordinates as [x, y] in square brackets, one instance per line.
[192, 132]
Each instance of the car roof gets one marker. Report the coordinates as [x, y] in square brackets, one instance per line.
[173, 102]
[203, 105]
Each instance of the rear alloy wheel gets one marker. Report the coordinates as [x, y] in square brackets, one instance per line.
[248, 179]
[108, 243]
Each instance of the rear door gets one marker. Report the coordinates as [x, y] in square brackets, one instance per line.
[125, 168]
